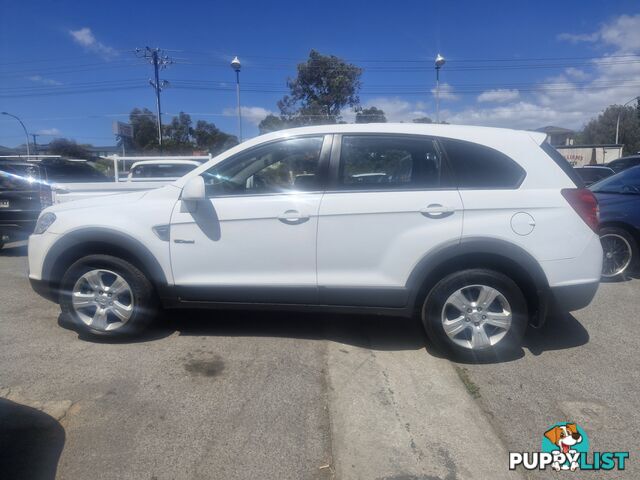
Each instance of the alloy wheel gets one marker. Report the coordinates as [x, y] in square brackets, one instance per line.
[103, 300]
[476, 317]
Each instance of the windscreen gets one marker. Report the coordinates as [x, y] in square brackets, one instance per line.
[18, 177]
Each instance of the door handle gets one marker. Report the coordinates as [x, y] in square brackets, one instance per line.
[293, 217]
[436, 210]
[180, 240]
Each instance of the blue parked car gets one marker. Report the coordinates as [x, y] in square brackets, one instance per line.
[619, 200]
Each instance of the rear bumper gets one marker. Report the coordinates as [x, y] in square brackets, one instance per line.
[567, 298]
[43, 288]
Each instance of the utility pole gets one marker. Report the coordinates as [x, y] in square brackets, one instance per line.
[159, 60]
[35, 143]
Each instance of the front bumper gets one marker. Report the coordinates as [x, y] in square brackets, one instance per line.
[568, 298]
[44, 289]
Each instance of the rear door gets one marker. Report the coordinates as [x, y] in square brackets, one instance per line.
[391, 201]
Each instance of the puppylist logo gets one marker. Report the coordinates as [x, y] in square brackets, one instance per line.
[565, 447]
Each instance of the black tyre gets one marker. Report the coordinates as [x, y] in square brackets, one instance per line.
[476, 314]
[620, 252]
[107, 296]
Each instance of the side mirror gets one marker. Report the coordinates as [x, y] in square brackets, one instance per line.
[194, 190]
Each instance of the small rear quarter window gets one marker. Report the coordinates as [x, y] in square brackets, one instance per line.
[479, 167]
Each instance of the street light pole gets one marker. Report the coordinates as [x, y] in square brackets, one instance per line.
[26, 134]
[235, 65]
[440, 61]
[619, 113]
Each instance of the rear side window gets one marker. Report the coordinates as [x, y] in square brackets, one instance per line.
[562, 162]
[477, 166]
[372, 162]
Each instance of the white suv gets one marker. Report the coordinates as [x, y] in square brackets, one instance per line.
[480, 231]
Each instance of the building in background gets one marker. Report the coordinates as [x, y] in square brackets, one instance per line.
[563, 139]
[579, 155]
[557, 136]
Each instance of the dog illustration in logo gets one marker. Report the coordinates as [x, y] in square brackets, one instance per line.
[564, 437]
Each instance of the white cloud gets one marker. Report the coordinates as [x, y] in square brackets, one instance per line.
[88, 41]
[252, 114]
[576, 73]
[446, 92]
[54, 132]
[574, 96]
[499, 95]
[622, 33]
[43, 80]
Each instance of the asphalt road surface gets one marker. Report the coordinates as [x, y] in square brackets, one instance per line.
[584, 368]
[291, 396]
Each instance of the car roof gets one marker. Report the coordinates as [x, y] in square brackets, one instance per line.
[461, 132]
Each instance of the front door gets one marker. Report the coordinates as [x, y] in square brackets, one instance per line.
[254, 238]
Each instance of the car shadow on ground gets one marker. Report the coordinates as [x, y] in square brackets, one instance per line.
[560, 332]
[626, 277]
[366, 331]
[30, 442]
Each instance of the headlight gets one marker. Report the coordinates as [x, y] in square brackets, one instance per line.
[44, 222]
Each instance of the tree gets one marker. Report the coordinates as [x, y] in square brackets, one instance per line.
[324, 85]
[602, 129]
[208, 136]
[177, 135]
[68, 148]
[145, 129]
[272, 123]
[370, 115]
[422, 120]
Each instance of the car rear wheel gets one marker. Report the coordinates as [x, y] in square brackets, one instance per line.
[476, 314]
[107, 296]
[619, 252]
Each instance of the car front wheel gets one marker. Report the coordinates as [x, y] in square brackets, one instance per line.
[476, 314]
[107, 296]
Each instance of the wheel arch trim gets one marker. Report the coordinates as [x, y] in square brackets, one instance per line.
[106, 237]
[439, 259]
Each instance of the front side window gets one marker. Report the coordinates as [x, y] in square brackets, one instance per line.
[390, 162]
[279, 167]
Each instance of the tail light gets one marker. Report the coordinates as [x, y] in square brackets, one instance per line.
[46, 199]
[584, 202]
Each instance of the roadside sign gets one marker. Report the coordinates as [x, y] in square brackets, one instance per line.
[123, 129]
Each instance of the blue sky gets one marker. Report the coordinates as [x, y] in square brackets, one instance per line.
[514, 64]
